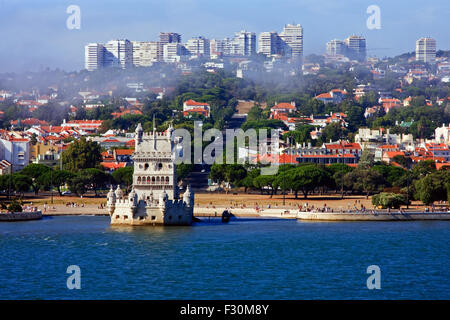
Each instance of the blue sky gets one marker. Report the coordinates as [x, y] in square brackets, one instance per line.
[34, 33]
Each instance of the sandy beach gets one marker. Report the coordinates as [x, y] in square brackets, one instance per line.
[210, 204]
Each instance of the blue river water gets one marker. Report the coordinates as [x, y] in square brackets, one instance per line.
[245, 259]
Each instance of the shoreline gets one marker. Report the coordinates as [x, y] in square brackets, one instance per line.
[373, 216]
[281, 213]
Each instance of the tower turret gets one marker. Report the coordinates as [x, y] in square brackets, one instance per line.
[139, 133]
[163, 198]
[132, 198]
[119, 192]
[188, 197]
[111, 202]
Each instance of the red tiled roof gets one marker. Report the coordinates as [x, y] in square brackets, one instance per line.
[441, 165]
[191, 102]
[323, 96]
[113, 165]
[391, 154]
[122, 152]
[284, 105]
[349, 145]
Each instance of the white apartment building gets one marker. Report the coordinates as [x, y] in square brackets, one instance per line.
[145, 53]
[174, 52]
[356, 48]
[93, 56]
[118, 53]
[169, 37]
[292, 36]
[244, 43]
[198, 46]
[426, 50]
[336, 47]
[269, 43]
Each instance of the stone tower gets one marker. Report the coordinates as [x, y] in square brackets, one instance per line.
[154, 199]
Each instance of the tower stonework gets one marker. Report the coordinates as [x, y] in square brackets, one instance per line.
[154, 198]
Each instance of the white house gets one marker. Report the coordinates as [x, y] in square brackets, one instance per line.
[16, 151]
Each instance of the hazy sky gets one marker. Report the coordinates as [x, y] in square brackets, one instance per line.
[34, 33]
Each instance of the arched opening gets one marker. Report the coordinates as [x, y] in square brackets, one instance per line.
[139, 180]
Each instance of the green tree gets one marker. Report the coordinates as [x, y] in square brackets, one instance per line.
[56, 178]
[389, 200]
[367, 160]
[391, 173]
[303, 179]
[365, 181]
[97, 179]
[34, 171]
[21, 183]
[423, 168]
[125, 176]
[183, 170]
[337, 172]
[82, 154]
[14, 206]
[262, 182]
[78, 185]
[432, 187]
[247, 182]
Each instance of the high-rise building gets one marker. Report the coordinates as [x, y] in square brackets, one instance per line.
[292, 36]
[269, 43]
[244, 43]
[356, 48]
[93, 56]
[145, 53]
[169, 37]
[426, 50]
[336, 47]
[220, 47]
[174, 52]
[118, 53]
[198, 46]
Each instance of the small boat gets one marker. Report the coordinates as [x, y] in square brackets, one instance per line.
[226, 216]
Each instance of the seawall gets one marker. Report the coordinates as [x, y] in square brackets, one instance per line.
[381, 216]
[20, 216]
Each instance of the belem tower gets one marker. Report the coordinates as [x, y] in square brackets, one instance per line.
[154, 198]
